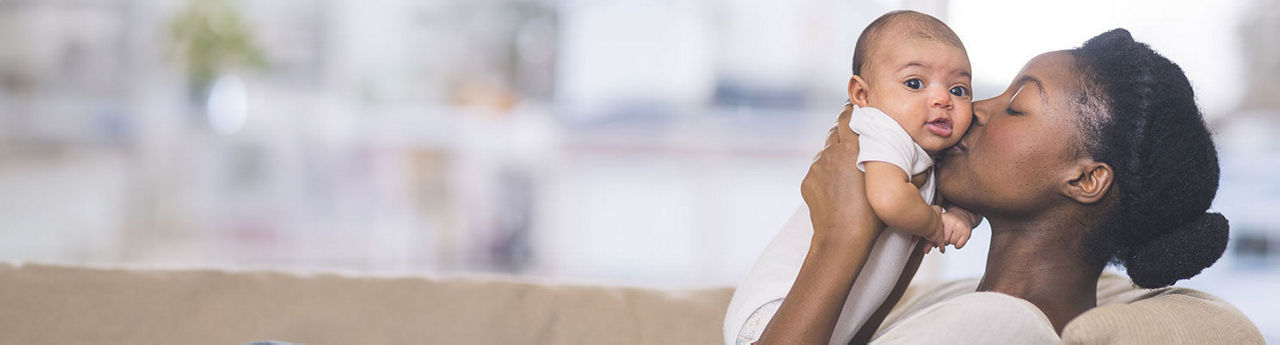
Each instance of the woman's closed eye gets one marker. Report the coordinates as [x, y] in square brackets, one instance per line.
[1010, 111]
[914, 83]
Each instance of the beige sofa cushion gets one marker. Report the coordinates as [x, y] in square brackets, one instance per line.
[42, 304]
[1172, 315]
[1126, 314]
[58, 305]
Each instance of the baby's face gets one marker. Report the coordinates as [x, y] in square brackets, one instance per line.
[925, 86]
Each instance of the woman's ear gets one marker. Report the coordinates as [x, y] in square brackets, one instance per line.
[858, 91]
[1090, 182]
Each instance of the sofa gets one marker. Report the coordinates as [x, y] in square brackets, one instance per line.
[47, 304]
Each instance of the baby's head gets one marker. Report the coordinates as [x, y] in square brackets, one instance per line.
[914, 68]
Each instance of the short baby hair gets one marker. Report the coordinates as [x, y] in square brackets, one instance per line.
[915, 24]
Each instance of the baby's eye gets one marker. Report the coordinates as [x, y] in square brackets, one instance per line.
[960, 91]
[914, 84]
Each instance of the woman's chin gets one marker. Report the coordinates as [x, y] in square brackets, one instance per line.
[950, 154]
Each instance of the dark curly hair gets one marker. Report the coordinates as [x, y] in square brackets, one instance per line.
[1141, 118]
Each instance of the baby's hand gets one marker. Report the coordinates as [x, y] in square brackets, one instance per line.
[938, 237]
[957, 229]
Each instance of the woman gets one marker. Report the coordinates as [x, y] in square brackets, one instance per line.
[1092, 155]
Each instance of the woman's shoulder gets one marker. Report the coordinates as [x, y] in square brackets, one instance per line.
[968, 316]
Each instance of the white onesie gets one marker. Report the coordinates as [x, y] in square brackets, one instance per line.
[758, 297]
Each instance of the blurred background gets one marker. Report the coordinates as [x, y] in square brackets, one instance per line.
[654, 143]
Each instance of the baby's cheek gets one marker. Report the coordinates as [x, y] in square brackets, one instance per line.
[964, 117]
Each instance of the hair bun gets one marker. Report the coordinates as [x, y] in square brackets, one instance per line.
[1115, 36]
[1179, 254]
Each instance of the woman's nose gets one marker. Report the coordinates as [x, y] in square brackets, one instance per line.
[982, 112]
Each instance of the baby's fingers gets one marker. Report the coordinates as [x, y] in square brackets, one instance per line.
[929, 246]
[964, 238]
[955, 238]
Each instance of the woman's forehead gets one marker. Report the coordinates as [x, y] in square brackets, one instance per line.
[1053, 71]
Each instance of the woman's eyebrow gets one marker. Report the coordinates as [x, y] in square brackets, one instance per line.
[1039, 87]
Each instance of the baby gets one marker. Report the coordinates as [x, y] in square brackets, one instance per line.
[910, 88]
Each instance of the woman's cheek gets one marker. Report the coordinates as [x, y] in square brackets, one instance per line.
[1001, 156]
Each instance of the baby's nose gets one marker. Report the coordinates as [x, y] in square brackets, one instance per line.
[940, 99]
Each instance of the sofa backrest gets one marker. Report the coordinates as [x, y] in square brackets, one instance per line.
[42, 304]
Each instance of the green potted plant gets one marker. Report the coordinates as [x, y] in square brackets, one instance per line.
[210, 37]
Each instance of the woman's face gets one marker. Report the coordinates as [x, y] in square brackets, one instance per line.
[1016, 157]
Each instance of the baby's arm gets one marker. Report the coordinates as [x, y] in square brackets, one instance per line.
[898, 203]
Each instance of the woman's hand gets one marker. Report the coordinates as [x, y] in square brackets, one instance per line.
[834, 188]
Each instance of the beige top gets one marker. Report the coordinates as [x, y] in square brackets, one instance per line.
[970, 318]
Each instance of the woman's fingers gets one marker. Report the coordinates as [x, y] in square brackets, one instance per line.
[833, 135]
[832, 139]
[843, 131]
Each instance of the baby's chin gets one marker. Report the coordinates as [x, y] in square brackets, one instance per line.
[938, 147]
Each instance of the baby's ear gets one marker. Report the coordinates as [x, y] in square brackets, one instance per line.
[858, 91]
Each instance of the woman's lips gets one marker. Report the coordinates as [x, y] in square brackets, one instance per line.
[940, 127]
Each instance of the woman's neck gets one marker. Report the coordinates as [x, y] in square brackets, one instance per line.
[1037, 263]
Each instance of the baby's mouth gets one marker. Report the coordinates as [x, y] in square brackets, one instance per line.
[940, 126]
